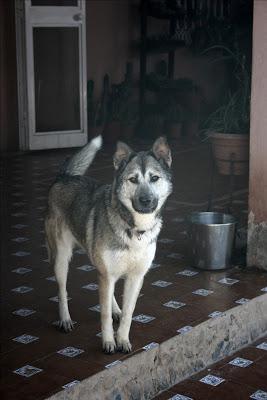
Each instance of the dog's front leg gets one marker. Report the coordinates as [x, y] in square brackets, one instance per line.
[106, 292]
[132, 286]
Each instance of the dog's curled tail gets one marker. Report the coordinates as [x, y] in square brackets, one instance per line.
[78, 164]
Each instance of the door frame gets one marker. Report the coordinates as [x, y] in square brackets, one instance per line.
[21, 75]
[28, 17]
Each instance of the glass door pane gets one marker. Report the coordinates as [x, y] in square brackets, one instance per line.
[56, 78]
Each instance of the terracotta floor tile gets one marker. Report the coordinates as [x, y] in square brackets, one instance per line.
[254, 375]
[238, 382]
[200, 391]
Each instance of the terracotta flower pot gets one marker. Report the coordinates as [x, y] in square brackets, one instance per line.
[224, 145]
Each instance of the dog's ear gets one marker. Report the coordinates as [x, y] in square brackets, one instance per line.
[122, 154]
[162, 151]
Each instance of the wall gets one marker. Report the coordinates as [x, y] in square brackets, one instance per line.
[108, 30]
[8, 82]
[257, 225]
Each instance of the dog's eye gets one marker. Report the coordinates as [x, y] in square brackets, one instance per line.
[133, 179]
[154, 178]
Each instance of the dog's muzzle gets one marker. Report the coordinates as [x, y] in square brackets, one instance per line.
[145, 204]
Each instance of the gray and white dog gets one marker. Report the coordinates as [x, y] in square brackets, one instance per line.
[117, 225]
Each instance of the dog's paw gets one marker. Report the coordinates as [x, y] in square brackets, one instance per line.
[66, 325]
[116, 316]
[124, 346]
[109, 347]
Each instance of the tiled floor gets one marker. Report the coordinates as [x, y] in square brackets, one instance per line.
[240, 376]
[37, 360]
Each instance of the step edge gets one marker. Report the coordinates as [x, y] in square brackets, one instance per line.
[147, 373]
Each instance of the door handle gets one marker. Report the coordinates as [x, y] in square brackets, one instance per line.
[77, 17]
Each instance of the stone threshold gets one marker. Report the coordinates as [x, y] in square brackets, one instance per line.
[145, 374]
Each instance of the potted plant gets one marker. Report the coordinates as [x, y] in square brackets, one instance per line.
[181, 93]
[228, 126]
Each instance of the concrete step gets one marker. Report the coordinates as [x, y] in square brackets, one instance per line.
[241, 375]
[146, 373]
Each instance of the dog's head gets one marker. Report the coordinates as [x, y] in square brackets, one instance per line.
[143, 180]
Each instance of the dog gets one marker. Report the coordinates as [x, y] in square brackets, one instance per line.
[117, 225]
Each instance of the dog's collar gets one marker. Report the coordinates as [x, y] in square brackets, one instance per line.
[131, 232]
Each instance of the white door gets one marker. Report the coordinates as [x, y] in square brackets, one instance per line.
[51, 42]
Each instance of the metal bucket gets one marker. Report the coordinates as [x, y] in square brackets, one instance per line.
[212, 238]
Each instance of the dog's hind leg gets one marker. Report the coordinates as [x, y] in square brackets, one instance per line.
[106, 293]
[62, 258]
[116, 311]
[50, 238]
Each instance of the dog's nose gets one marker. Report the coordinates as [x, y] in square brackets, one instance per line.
[145, 200]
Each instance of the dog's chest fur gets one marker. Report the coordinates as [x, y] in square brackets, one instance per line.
[137, 258]
[133, 250]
